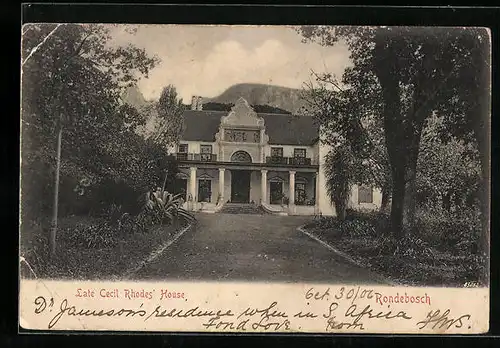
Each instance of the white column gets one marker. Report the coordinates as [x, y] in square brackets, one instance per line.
[221, 183]
[263, 194]
[316, 198]
[192, 185]
[291, 188]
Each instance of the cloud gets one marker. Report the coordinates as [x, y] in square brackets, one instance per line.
[207, 60]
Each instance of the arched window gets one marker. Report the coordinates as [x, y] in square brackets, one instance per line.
[241, 156]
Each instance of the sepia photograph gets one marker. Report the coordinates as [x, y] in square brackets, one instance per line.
[244, 178]
[328, 154]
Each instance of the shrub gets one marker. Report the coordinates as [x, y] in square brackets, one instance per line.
[98, 234]
[458, 232]
[355, 225]
[34, 247]
[164, 207]
[413, 247]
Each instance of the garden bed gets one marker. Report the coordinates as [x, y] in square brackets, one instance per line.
[90, 249]
[411, 261]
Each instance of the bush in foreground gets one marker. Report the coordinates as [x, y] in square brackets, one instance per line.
[444, 249]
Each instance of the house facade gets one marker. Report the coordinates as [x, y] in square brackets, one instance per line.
[274, 161]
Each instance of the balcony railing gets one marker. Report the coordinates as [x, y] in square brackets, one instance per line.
[277, 160]
[210, 157]
[296, 161]
[200, 157]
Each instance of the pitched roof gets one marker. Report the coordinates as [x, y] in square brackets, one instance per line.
[282, 129]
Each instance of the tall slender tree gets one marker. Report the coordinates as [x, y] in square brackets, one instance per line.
[72, 77]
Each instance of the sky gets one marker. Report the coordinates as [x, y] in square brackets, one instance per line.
[206, 60]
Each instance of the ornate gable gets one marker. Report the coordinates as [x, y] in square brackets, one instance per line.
[242, 115]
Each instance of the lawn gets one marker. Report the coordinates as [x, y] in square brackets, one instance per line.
[433, 258]
[89, 248]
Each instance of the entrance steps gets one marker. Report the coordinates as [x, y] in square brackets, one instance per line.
[242, 208]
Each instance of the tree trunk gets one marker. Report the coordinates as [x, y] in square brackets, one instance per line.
[458, 201]
[420, 111]
[387, 70]
[447, 202]
[341, 209]
[398, 195]
[55, 206]
[410, 203]
[386, 196]
[164, 182]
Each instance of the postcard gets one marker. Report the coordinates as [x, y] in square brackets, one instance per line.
[255, 179]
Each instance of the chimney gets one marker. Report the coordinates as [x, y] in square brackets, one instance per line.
[200, 103]
[196, 103]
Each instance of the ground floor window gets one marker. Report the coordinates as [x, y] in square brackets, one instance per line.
[365, 194]
[204, 190]
[300, 193]
[276, 192]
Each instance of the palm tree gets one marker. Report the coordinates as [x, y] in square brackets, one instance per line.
[338, 177]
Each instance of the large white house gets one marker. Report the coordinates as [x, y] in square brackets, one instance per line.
[274, 161]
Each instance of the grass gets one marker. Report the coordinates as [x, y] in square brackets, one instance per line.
[88, 248]
[430, 257]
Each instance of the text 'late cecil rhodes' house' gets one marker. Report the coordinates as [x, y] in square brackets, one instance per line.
[241, 157]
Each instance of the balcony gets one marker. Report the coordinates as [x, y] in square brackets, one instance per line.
[276, 160]
[212, 158]
[199, 157]
[295, 161]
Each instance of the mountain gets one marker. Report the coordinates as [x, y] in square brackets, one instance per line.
[260, 94]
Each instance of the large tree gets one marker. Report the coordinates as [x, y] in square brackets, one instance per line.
[72, 78]
[351, 126]
[415, 72]
[448, 170]
[169, 117]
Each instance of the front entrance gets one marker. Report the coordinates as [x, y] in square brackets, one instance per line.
[240, 186]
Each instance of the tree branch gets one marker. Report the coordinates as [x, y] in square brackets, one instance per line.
[37, 47]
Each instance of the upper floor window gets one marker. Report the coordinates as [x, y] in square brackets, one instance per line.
[299, 153]
[365, 194]
[206, 148]
[206, 152]
[276, 152]
[242, 135]
[183, 148]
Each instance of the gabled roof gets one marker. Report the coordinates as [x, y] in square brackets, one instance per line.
[282, 129]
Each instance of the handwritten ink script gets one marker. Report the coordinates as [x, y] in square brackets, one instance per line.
[316, 309]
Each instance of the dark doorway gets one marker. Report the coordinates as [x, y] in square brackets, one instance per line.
[240, 186]
[276, 192]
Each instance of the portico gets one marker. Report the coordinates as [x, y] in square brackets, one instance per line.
[293, 191]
